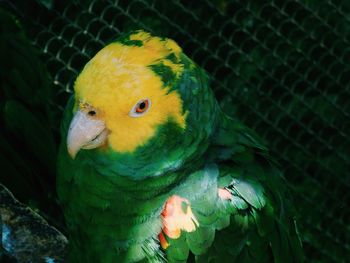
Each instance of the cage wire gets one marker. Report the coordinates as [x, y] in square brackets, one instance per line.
[282, 66]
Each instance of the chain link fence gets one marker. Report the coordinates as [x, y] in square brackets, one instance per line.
[283, 66]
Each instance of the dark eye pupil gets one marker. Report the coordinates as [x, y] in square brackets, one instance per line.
[142, 105]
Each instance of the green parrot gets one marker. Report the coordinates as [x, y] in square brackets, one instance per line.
[151, 170]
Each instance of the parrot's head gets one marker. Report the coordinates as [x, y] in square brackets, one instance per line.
[142, 106]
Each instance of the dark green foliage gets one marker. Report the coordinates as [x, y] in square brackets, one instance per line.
[27, 137]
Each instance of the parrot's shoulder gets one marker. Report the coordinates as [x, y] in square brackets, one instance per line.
[233, 140]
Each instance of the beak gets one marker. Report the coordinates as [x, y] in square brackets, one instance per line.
[85, 132]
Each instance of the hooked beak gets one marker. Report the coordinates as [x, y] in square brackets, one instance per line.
[85, 132]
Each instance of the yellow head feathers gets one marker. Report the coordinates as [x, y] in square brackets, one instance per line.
[126, 72]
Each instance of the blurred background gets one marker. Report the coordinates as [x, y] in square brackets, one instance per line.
[281, 66]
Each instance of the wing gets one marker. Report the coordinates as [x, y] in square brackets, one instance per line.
[253, 192]
[239, 205]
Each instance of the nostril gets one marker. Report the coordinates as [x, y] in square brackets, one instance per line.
[92, 113]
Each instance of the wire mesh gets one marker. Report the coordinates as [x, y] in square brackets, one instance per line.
[283, 65]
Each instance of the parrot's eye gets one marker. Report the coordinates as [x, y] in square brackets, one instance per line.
[140, 108]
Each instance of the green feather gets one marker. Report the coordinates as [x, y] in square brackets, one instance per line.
[251, 192]
[200, 240]
[178, 250]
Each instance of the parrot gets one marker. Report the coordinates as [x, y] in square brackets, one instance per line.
[150, 168]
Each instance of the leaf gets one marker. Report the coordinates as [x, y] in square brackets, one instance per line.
[20, 88]
[36, 135]
[15, 169]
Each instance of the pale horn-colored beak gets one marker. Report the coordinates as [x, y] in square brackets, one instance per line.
[85, 132]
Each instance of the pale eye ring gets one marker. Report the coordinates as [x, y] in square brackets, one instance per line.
[140, 108]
